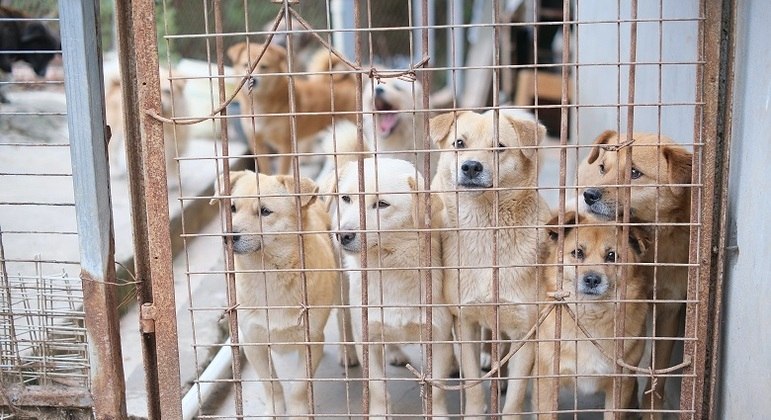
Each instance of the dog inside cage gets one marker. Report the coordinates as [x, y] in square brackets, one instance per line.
[419, 208]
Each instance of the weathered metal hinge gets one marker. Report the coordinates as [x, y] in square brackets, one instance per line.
[147, 314]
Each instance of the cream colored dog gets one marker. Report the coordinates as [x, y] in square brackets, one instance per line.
[267, 96]
[476, 166]
[593, 282]
[396, 307]
[272, 290]
[660, 193]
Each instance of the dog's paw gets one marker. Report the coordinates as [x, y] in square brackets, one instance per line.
[396, 356]
[347, 357]
[485, 360]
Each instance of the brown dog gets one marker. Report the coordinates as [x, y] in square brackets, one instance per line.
[660, 194]
[267, 97]
[593, 282]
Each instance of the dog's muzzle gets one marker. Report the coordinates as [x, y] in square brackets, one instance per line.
[473, 175]
[244, 244]
[592, 284]
[349, 241]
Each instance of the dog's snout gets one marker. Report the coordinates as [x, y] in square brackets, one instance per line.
[234, 237]
[346, 238]
[592, 280]
[592, 195]
[471, 168]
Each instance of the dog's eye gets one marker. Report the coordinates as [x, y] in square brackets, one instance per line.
[346, 198]
[602, 169]
[263, 66]
[578, 254]
[381, 204]
[232, 208]
[635, 173]
[611, 257]
[264, 211]
[459, 144]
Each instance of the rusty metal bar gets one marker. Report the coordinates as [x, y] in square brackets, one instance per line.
[45, 396]
[163, 306]
[90, 177]
[709, 208]
[134, 164]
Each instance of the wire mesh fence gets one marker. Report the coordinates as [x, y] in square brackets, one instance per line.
[420, 208]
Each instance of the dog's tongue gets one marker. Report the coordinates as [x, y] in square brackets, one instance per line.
[386, 123]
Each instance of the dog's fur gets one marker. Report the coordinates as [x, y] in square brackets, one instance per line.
[267, 93]
[593, 282]
[472, 173]
[173, 101]
[656, 160]
[392, 202]
[25, 36]
[271, 303]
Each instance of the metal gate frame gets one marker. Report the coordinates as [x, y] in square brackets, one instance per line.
[714, 78]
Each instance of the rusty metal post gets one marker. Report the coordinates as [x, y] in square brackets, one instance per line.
[709, 206]
[159, 316]
[127, 62]
[84, 85]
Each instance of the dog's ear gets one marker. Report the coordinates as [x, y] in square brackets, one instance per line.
[601, 139]
[308, 188]
[234, 177]
[34, 31]
[530, 134]
[553, 228]
[639, 238]
[440, 126]
[679, 165]
[419, 206]
[234, 52]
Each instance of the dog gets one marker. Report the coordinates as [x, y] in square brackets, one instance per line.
[270, 288]
[316, 99]
[173, 102]
[395, 210]
[474, 167]
[593, 282]
[24, 40]
[660, 193]
[393, 121]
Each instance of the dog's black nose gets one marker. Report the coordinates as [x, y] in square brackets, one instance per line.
[346, 237]
[592, 280]
[235, 238]
[379, 90]
[592, 195]
[471, 168]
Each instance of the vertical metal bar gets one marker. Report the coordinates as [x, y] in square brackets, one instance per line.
[706, 206]
[230, 277]
[163, 308]
[127, 64]
[84, 88]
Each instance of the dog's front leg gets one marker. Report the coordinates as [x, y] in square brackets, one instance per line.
[442, 365]
[297, 402]
[544, 398]
[347, 357]
[520, 368]
[470, 369]
[260, 359]
[378, 394]
[667, 324]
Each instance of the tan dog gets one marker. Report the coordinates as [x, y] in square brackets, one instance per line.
[267, 93]
[396, 312]
[271, 302]
[593, 282]
[474, 162]
[661, 172]
[173, 103]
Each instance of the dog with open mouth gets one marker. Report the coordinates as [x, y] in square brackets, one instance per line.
[592, 280]
[660, 193]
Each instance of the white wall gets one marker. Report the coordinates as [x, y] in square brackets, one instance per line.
[746, 364]
[608, 43]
